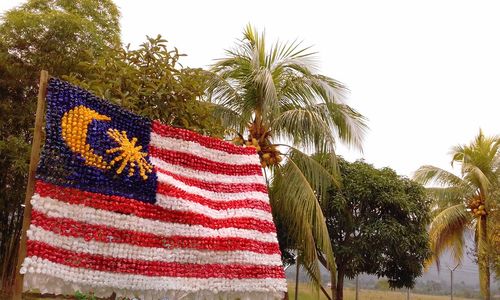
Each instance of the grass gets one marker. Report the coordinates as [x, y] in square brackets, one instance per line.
[306, 293]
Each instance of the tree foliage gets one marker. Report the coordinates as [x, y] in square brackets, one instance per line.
[56, 35]
[377, 225]
[151, 82]
[272, 94]
[467, 202]
[52, 35]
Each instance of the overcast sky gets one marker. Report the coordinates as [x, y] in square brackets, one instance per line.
[425, 73]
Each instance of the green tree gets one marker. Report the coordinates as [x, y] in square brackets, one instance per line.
[377, 224]
[53, 35]
[150, 81]
[466, 202]
[272, 95]
[56, 35]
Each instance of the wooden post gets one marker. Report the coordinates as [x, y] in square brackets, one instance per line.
[35, 157]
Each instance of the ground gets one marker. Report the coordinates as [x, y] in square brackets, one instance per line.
[305, 293]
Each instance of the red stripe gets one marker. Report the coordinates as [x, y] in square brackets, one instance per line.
[203, 164]
[208, 142]
[145, 210]
[172, 191]
[151, 268]
[216, 186]
[107, 234]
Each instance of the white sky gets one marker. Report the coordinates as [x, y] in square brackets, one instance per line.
[425, 73]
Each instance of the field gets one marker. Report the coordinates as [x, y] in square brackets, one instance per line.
[305, 293]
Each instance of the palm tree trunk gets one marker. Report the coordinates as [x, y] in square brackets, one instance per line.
[483, 258]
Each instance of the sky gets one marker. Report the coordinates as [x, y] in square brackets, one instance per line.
[425, 73]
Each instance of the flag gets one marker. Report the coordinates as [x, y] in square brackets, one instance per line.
[130, 205]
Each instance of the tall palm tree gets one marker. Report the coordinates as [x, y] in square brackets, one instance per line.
[274, 100]
[465, 202]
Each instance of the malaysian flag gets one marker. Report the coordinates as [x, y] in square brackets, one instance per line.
[128, 205]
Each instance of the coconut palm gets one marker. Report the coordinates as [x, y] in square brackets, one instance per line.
[274, 100]
[465, 202]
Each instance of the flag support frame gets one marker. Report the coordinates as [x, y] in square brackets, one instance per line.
[30, 187]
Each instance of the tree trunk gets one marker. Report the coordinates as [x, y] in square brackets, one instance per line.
[333, 282]
[339, 293]
[483, 259]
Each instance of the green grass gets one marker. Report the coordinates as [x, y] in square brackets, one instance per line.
[306, 293]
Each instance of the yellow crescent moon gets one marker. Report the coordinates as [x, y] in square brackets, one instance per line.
[74, 126]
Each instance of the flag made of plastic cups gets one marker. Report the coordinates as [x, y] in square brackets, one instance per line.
[128, 205]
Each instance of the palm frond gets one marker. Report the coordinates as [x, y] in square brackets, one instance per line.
[479, 160]
[305, 128]
[294, 91]
[310, 261]
[475, 175]
[229, 118]
[330, 90]
[223, 89]
[350, 126]
[320, 170]
[293, 198]
[444, 197]
[282, 55]
[315, 88]
[447, 232]
[266, 94]
[430, 174]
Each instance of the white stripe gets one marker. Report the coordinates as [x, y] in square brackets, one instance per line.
[127, 251]
[179, 204]
[193, 148]
[55, 278]
[206, 176]
[89, 215]
[216, 196]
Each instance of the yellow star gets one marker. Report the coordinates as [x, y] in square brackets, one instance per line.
[130, 154]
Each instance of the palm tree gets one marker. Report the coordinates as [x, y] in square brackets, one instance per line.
[267, 97]
[465, 202]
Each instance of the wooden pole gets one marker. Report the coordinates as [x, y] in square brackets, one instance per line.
[35, 157]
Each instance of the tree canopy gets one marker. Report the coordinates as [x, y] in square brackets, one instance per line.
[151, 82]
[377, 225]
[56, 35]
